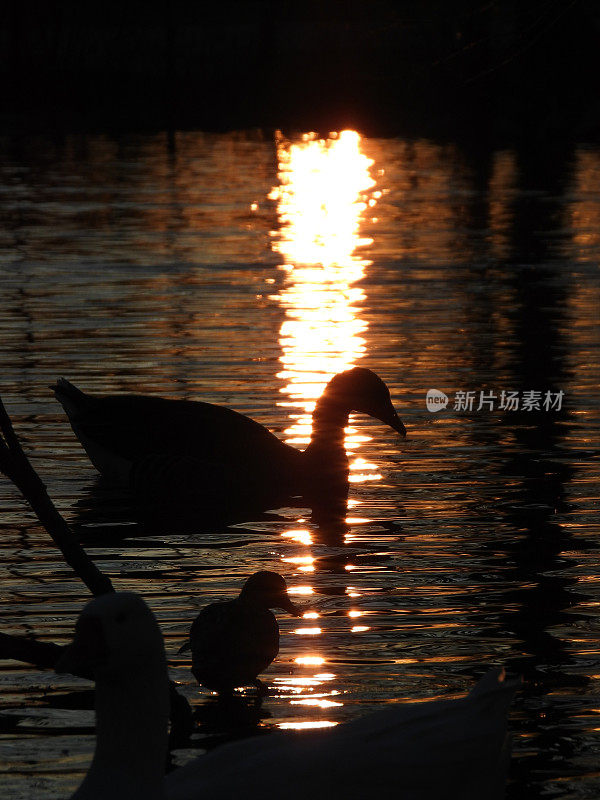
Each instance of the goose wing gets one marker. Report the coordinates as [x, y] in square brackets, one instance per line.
[131, 427]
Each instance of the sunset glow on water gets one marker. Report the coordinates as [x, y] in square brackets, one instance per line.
[245, 270]
[325, 188]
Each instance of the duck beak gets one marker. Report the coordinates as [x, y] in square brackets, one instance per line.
[287, 605]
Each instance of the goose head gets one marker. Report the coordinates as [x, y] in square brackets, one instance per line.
[268, 590]
[116, 635]
[360, 390]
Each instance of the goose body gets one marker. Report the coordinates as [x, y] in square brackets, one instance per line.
[148, 443]
[233, 642]
[413, 751]
[119, 431]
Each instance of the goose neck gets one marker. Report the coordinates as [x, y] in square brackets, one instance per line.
[328, 423]
[131, 739]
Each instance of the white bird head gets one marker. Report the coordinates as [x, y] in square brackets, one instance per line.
[116, 636]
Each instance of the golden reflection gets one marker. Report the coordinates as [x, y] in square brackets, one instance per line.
[300, 560]
[315, 701]
[321, 723]
[359, 471]
[583, 212]
[295, 685]
[325, 186]
[422, 212]
[308, 631]
[304, 563]
[320, 198]
[300, 535]
[309, 661]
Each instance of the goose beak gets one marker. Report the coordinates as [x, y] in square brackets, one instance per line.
[389, 417]
[398, 425]
[287, 605]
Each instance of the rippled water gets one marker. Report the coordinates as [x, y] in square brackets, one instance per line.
[244, 270]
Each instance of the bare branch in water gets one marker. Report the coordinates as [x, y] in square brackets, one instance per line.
[45, 655]
[22, 648]
[16, 466]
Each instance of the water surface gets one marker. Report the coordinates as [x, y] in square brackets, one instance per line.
[245, 270]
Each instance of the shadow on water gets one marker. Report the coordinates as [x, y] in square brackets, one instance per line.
[107, 514]
[534, 478]
[230, 714]
[218, 721]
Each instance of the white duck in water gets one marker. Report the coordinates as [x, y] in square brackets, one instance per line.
[142, 442]
[233, 642]
[412, 751]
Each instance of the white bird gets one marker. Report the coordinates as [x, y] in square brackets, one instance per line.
[414, 751]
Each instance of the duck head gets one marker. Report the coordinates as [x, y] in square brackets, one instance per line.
[362, 391]
[115, 635]
[268, 590]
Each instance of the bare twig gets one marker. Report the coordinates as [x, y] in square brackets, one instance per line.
[16, 466]
[21, 648]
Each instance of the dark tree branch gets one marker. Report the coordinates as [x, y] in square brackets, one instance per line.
[21, 648]
[12, 443]
[16, 466]
[45, 655]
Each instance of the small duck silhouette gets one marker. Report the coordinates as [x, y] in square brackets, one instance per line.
[152, 444]
[234, 641]
[417, 751]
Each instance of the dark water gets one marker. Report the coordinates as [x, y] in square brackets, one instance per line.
[244, 271]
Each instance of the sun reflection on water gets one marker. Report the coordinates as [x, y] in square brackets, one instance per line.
[317, 723]
[301, 536]
[325, 185]
[315, 701]
[308, 631]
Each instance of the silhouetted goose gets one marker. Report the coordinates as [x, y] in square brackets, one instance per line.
[233, 642]
[413, 751]
[134, 438]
